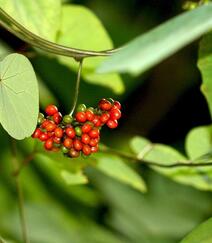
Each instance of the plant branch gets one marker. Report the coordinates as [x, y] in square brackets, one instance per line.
[16, 168]
[151, 163]
[21, 32]
[76, 94]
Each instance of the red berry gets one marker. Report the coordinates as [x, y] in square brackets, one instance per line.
[50, 126]
[70, 132]
[57, 140]
[37, 133]
[85, 138]
[43, 136]
[115, 114]
[81, 116]
[86, 150]
[57, 117]
[67, 142]
[117, 105]
[73, 153]
[58, 132]
[105, 117]
[93, 142]
[77, 144]
[94, 133]
[45, 123]
[89, 115]
[50, 134]
[112, 123]
[51, 110]
[48, 144]
[105, 105]
[96, 121]
[94, 149]
[86, 128]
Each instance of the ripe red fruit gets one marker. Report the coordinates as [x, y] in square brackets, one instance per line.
[50, 126]
[105, 105]
[73, 153]
[86, 150]
[50, 134]
[57, 117]
[77, 144]
[112, 123]
[70, 132]
[86, 128]
[93, 142]
[94, 149]
[48, 144]
[89, 115]
[94, 133]
[45, 123]
[115, 114]
[68, 142]
[43, 136]
[105, 117]
[57, 140]
[96, 121]
[117, 105]
[51, 110]
[81, 116]
[85, 138]
[58, 132]
[37, 133]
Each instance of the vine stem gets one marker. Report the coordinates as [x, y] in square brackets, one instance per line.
[142, 160]
[19, 192]
[76, 93]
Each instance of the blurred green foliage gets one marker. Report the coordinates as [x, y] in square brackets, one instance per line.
[106, 210]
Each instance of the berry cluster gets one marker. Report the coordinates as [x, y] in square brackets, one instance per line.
[79, 133]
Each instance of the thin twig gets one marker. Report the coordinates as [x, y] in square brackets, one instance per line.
[19, 192]
[151, 163]
[76, 94]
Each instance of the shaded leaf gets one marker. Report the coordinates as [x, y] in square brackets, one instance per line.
[205, 66]
[19, 100]
[202, 234]
[151, 48]
[80, 28]
[115, 167]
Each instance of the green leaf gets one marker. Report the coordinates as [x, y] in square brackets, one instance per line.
[80, 28]
[74, 178]
[115, 167]
[205, 66]
[198, 141]
[151, 48]
[19, 99]
[40, 17]
[200, 178]
[202, 234]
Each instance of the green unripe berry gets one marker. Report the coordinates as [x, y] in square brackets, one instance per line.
[57, 145]
[40, 118]
[111, 100]
[81, 107]
[78, 131]
[67, 119]
[64, 150]
[91, 109]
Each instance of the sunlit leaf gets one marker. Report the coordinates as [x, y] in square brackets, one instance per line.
[74, 178]
[40, 17]
[205, 66]
[202, 234]
[80, 28]
[19, 101]
[151, 48]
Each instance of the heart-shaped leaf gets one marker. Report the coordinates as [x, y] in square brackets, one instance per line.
[19, 99]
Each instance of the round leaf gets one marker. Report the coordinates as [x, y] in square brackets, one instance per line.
[19, 99]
